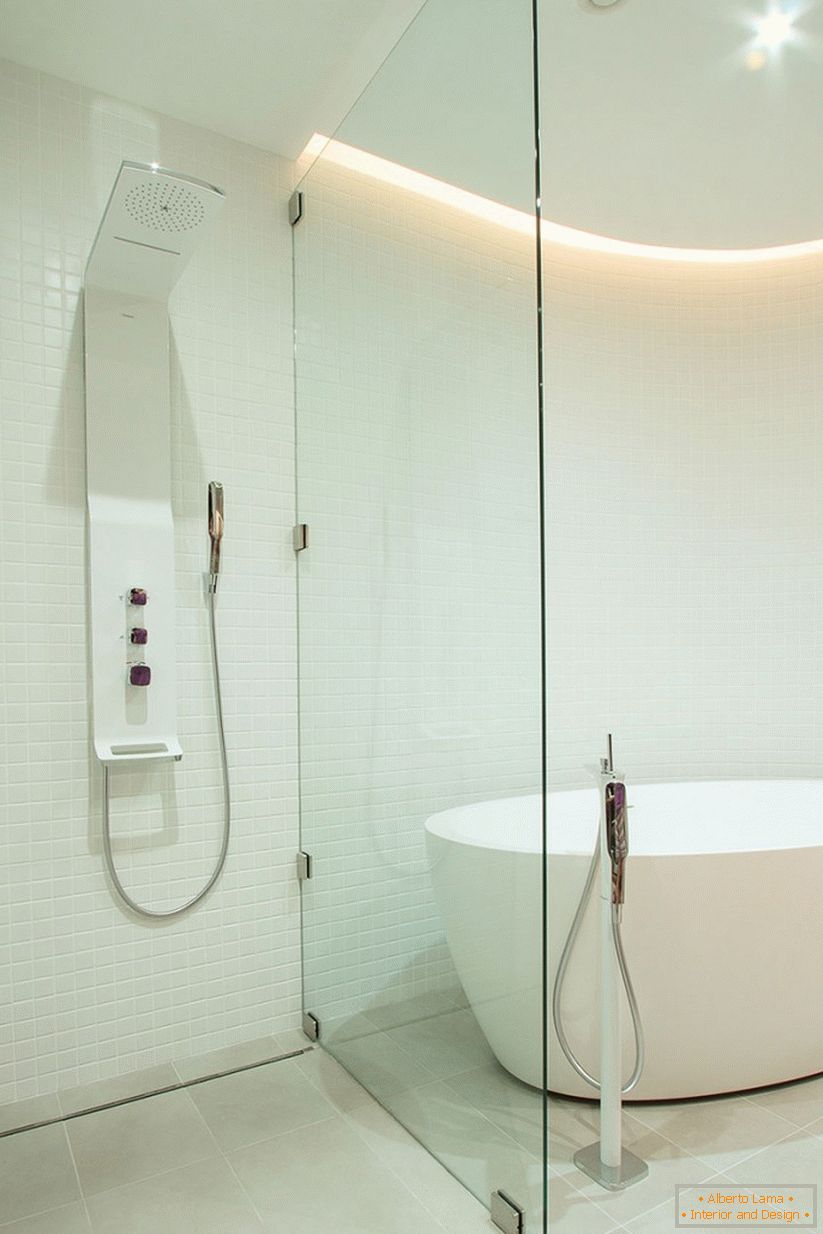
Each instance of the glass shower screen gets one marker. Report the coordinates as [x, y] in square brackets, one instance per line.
[419, 595]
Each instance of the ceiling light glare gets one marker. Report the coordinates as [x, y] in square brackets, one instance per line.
[775, 29]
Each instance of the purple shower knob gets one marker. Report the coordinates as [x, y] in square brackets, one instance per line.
[139, 675]
[138, 596]
[139, 635]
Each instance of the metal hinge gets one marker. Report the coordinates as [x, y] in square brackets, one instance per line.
[300, 537]
[311, 1026]
[295, 207]
[506, 1215]
[303, 866]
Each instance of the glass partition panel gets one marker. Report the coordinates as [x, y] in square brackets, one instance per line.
[419, 594]
[681, 290]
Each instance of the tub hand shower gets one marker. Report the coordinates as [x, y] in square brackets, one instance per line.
[606, 1161]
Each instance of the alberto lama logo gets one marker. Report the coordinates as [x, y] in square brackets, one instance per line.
[753, 1208]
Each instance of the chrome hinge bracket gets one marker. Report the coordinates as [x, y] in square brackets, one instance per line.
[303, 866]
[506, 1215]
[311, 1026]
[300, 537]
[295, 207]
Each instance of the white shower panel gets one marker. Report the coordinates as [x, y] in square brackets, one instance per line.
[131, 531]
[151, 225]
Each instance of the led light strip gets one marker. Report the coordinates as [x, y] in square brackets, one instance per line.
[388, 172]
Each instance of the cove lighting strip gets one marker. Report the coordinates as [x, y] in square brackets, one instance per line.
[489, 211]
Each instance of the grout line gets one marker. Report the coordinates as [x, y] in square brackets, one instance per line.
[243, 1190]
[148, 1178]
[154, 1092]
[270, 1137]
[47, 1212]
[80, 1186]
[199, 1115]
[769, 1110]
[763, 1148]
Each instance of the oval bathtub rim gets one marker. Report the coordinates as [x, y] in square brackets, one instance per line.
[442, 824]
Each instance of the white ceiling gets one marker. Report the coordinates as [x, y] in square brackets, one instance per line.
[269, 72]
[653, 127]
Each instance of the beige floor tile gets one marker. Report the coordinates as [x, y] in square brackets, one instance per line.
[332, 1080]
[241, 1055]
[36, 1173]
[205, 1198]
[70, 1219]
[381, 1066]
[446, 1199]
[446, 1044]
[796, 1159]
[324, 1178]
[801, 1103]
[255, 1105]
[24, 1113]
[719, 1132]
[131, 1142]
[118, 1088]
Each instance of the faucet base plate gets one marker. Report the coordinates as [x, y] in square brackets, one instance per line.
[612, 1177]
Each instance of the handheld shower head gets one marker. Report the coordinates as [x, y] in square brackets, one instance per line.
[215, 531]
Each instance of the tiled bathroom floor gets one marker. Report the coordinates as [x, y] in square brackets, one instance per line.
[293, 1145]
[437, 1075]
[298, 1144]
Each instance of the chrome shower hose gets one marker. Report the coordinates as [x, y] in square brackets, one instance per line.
[557, 1015]
[224, 847]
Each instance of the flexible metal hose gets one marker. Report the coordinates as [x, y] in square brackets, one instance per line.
[224, 848]
[557, 1014]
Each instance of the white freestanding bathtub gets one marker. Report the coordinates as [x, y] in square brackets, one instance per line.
[723, 926]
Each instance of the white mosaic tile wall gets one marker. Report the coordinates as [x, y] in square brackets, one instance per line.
[684, 456]
[86, 993]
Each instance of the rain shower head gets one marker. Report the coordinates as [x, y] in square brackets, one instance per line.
[153, 221]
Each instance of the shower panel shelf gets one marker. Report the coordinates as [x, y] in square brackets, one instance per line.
[143, 752]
